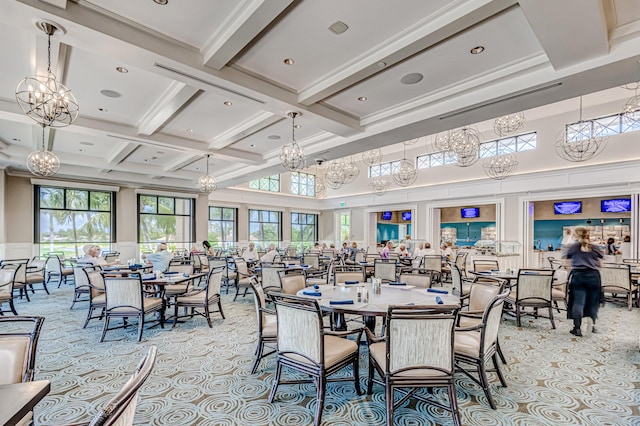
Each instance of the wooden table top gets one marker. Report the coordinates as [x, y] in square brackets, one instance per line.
[16, 400]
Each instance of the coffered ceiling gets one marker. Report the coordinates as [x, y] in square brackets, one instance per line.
[218, 76]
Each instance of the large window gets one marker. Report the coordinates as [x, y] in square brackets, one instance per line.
[67, 219]
[264, 227]
[165, 219]
[345, 226]
[269, 183]
[222, 226]
[303, 184]
[384, 169]
[304, 230]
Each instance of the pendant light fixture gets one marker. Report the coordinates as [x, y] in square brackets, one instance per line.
[292, 155]
[44, 162]
[207, 182]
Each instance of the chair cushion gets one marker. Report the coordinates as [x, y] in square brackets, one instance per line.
[67, 271]
[35, 278]
[99, 299]
[469, 322]
[5, 296]
[149, 303]
[270, 326]
[467, 343]
[13, 359]
[335, 350]
[613, 289]
[379, 352]
[174, 289]
[557, 294]
[197, 298]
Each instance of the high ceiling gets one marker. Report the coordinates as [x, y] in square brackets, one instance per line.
[209, 76]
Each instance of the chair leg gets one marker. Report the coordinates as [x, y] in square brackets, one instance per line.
[175, 314]
[500, 354]
[370, 381]
[276, 381]
[88, 317]
[453, 402]
[388, 390]
[140, 326]
[553, 323]
[259, 349]
[518, 313]
[13, 308]
[322, 383]
[44, 284]
[356, 376]
[484, 382]
[220, 309]
[498, 371]
[104, 328]
[162, 318]
[207, 315]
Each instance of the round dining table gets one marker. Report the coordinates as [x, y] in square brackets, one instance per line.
[342, 299]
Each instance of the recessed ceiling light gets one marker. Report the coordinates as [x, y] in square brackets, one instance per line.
[273, 137]
[110, 93]
[103, 109]
[382, 64]
[227, 103]
[190, 130]
[87, 143]
[252, 145]
[82, 150]
[161, 2]
[477, 49]
[16, 139]
[338, 27]
[123, 70]
[298, 126]
[362, 98]
[289, 61]
[412, 78]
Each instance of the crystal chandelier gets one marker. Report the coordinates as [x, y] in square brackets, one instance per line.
[580, 141]
[631, 110]
[43, 98]
[464, 144]
[207, 182]
[351, 171]
[321, 189]
[335, 176]
[406, 172]
[379, 185]
[372, 157]
[43, 163]
[292, 155]
[508, 124]
[501, 166]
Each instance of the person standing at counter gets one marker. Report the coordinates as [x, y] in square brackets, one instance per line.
[611, 247]
[625, 247]
[585, 284]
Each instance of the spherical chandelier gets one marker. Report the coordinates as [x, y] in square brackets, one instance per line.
[406, 174]
[292, 155]
[43, 163]
[206, 182]
[372, 157]
[351, 171]
[464, 143]
[335, 176]
[321, 189]
[583, 143]
[379, 185]
[43, 98]
[501, 166]
[508, 124]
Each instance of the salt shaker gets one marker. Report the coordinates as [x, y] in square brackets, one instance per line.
[359, 294]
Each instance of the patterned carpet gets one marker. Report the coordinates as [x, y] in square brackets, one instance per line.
[202, 376]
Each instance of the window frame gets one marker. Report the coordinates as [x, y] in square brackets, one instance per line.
[260, 213]
[191, 215]
[309, 183]
[302, 243]
[266, 183]
[224, 243]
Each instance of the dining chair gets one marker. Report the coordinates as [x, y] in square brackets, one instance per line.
[124, 298]
[7, 277]
[461, 285]
[270, 277]
[55, 268]
[311, 259]
[616, 280]
[221, 262]
[204, 262]
[342, 274]
[201, 298]
[171, 291]
[416, 353]
[416, 280]
[243, 277]
[485, 265]
[385, 269]
[433, 262]
[461, 262]
[533, 289]
[321, 276]
[36, 273]
[306, 346]
[81, 287]
[97, 298]
[476, 346]
[559, 289]
[18, 352]
[20, 276]
[292, 281]
[267, 325]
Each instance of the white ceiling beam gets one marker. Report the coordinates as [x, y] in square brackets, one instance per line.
[121, 152]
[62, 4]
[570, 31]
[175, 97]
[181, 162]
[244, 129]
[248, 19]
[392, 51]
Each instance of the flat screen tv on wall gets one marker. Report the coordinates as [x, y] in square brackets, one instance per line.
[470, 212]
[386, 215]
[617, 205]
[406, 215]
[567, 207]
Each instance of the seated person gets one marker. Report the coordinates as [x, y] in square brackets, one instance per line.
[90, 255]
[384, 254]
[402, 250]
[160, 259]
[332, 247]
[250, 254]
[270, 255]
[315, 248]
[351, 257]
[446, 251]
[208, 250]
[345, 249]
[420, 251]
